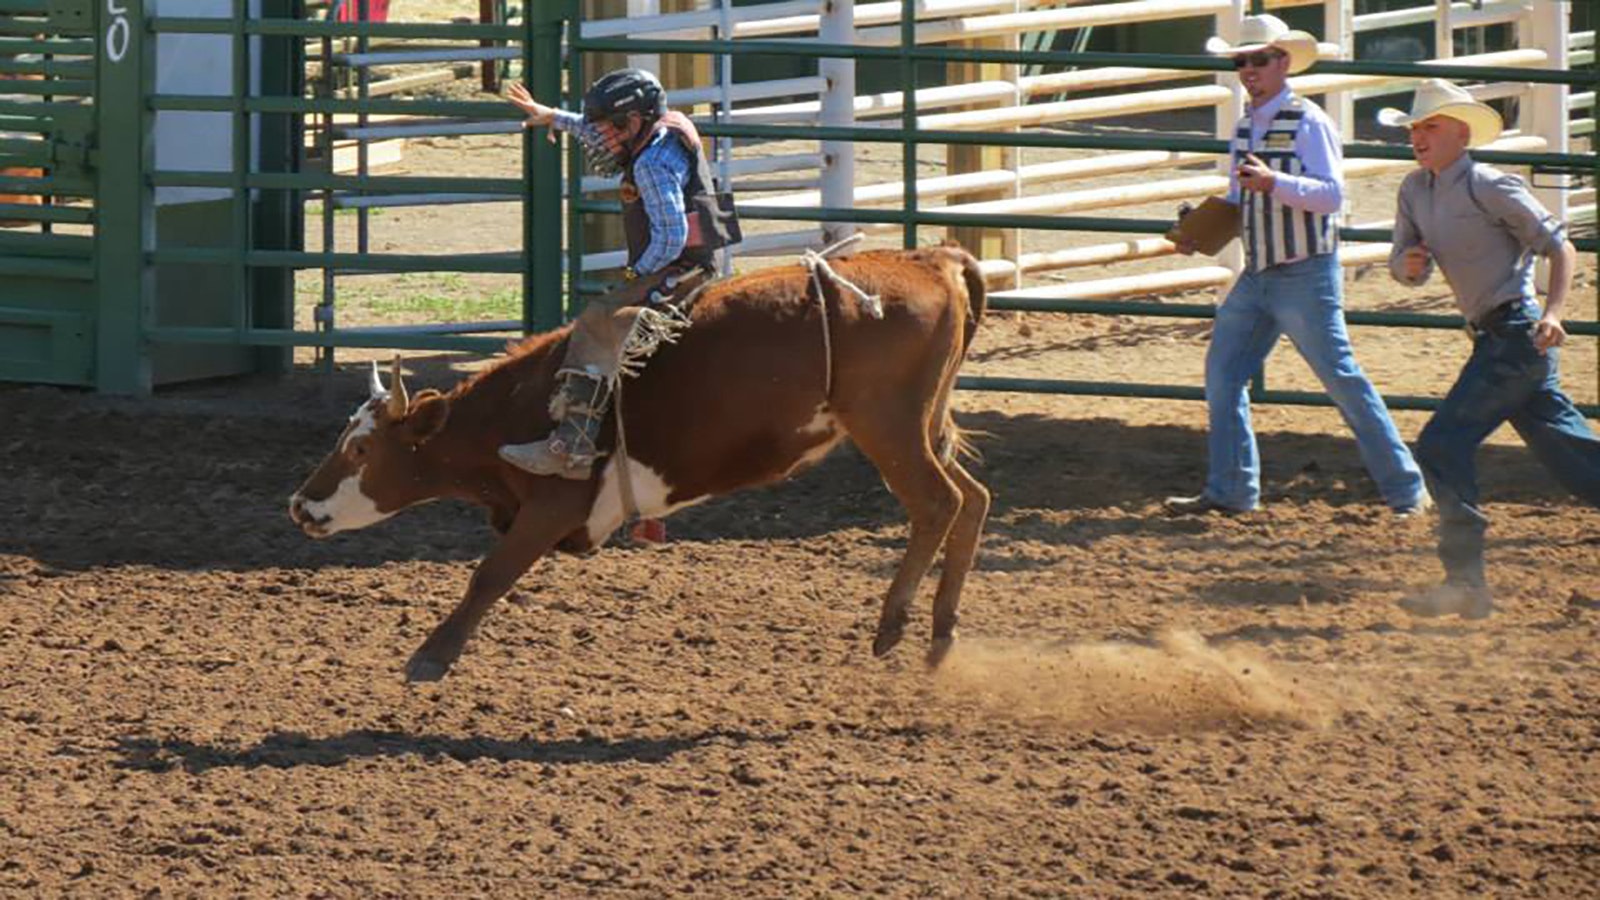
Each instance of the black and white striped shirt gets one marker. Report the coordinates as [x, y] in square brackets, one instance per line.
[1300, 217]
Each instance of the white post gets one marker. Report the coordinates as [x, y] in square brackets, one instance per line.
[1339, 27]
[724, 112]
[838, 109]
[1228, 114]
[1444, 31]
[640, 9]
[1544, 109]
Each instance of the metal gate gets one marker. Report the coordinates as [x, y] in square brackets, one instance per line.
[48, 297]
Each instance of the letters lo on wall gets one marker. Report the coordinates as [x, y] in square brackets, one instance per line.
[118, 31]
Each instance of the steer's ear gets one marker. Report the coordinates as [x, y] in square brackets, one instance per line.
[427, 415]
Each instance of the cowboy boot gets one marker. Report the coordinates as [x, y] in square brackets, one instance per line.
[570, 450]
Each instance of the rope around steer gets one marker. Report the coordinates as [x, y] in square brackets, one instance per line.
[816, 264]
[654, 327]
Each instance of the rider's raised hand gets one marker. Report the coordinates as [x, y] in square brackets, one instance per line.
[538, 114]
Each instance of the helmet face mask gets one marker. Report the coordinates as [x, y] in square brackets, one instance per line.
[606, 149]
[614, 100]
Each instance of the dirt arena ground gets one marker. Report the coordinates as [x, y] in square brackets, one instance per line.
[198, 701]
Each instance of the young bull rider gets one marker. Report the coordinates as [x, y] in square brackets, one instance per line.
[1287, 182]
[1484, 229]
[672, 220]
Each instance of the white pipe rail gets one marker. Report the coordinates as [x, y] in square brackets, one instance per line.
[995, 270]
[1144, 248]
[1077, 110]
[752, 245]
[1126, 286]
[877, 14]
[424, 128]
[1462, 15]
[1038, 173]
[701, 18]
[431, 55]
[749, 90]
[1525, 58]
[376, 201]
[1047, 20]
[891, 102]
[1095, 198]
[758, 165]
[1097, 255]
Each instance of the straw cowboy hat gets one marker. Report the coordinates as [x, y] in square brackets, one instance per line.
[1269, 32]
[1437, 97]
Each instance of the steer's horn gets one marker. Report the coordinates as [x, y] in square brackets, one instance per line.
[377, 383]
[397, 392]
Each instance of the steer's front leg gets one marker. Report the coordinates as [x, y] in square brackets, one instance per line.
[534, 531]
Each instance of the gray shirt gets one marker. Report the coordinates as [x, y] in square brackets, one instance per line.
[1483, 228]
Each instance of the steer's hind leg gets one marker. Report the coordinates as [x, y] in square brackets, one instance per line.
[960, 549]
[898, 446]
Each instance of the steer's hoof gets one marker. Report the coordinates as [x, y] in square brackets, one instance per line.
[425, 668]
[938, 650]
[888, 636]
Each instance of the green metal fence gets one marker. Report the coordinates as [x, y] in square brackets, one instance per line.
[909, 137]
[48, 302]
[100, 280]
[540, 39]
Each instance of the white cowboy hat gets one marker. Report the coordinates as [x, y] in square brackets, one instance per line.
[1437, 97]
[1269, 32]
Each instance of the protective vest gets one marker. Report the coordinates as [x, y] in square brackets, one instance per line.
[1273, 232]
[712, 223]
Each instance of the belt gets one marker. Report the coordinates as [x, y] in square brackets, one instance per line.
[1493, 317]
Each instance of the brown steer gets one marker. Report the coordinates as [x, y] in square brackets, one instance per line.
[741, 399]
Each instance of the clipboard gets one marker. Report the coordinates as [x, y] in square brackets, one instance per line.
[1211, 225]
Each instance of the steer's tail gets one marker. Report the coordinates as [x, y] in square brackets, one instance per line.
[977, 296]
[951, 440]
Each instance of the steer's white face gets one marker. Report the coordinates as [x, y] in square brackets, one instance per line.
[348, 506]
[373, 471]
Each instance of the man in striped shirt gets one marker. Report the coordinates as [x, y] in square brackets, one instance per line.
[673, 222]
[1286, 180]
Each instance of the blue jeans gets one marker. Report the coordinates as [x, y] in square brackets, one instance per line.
[1505, 380]
[1303, 300]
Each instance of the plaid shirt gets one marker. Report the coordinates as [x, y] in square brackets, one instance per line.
[661, 170]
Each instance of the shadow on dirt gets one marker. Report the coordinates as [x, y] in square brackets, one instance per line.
[199, 479]
[287, 750]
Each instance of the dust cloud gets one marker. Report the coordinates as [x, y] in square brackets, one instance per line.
[1179, 684]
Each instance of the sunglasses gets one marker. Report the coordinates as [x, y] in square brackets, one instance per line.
[1259, 60]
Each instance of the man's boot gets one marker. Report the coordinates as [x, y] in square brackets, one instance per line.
[570, 450]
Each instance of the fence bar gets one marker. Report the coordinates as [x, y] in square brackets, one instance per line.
[336, 338]
[415, 184]
[71, 215]
[309, 29]
[374, 262]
